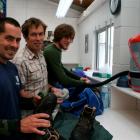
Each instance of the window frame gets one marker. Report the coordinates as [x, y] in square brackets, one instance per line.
[107, 46]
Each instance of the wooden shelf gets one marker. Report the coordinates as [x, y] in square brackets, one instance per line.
[127, 91]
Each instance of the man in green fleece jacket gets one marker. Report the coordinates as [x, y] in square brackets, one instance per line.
[63, 36]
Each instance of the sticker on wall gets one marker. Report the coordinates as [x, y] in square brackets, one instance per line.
[50, 36]
[2, 8]
[86, 43]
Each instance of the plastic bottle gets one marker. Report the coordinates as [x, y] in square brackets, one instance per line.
[105, 94]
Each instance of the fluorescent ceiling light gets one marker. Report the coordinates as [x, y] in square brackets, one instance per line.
[63, 7]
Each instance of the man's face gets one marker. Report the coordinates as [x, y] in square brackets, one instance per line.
[65, 42]
[9, 42]
[35, 39]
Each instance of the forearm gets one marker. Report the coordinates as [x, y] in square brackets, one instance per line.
[71, 74]
[8, 127]
[63, 77]
[26, 100]
[49, 87]
[68, 81]
[27, 103]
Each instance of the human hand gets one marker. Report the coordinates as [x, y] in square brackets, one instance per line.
[55, 90]
[31, 123]
[58, 93]
[26, 94]
[86, 80]
[37, 99]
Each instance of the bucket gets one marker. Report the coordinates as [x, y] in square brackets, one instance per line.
[134, 75]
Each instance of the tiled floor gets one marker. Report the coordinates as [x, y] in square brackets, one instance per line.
[123, 125]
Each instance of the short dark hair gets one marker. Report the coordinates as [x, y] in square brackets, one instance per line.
[9, 20]
[63, 30]
[32, 22]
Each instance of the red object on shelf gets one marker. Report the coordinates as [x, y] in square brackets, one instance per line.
[87, 68]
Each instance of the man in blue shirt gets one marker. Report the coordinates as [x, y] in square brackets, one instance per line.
[11, 124]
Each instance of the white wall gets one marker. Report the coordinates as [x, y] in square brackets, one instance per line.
[99, 18]
[127, 24]
[45, 10]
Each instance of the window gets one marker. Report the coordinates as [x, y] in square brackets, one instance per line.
[2, 8]
[104, 48]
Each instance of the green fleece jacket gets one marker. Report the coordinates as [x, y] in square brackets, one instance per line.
[56, 70]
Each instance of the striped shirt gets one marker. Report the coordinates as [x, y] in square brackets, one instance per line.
[32, 71]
